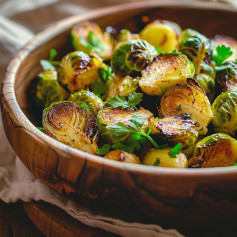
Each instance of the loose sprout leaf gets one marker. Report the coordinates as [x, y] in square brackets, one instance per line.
[157, 162]
[175, 150]
[135, 98]
[123, 147]
[53, 53]
[207, 67]
[86, 107]
[104, 150]
[46, 65]
[221, 53]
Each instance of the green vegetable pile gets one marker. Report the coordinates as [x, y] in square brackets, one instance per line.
[164, 97]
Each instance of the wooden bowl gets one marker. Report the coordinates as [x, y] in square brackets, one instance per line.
[173, 197]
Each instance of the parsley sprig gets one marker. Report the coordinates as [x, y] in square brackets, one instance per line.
[120, 101]
[175, 150]
[51, 63]
[221, 53]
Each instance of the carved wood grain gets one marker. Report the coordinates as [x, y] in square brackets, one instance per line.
[146, 193]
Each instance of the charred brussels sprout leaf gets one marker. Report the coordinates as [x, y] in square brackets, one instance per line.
[195, 46]
[174, 130]
[208, 84]
[165, 72]
[216, 150]
[78, 71]
[132, 56]
[72, 125]
[123, 156]
[94, 102]
[193, 101]
[88, 37]
[114, 116]
[162, 34]
[46, 89]
[225, 113]
[164, 158]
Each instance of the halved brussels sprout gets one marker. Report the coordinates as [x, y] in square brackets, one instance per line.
[72, 125]
[208, 84]
[216, 150]
[228, 42]
[189, 98]
[46, 89]
[94, 102]
[226, 79]
[132, 56]
[161, 158]
[174, 129]
[162, 34]
[225, 113]
[125, 35]
[78, 70]
[109, 116]
[123, 156]
[122, 86]
[165, 72]
[88, 37]
[195, 46]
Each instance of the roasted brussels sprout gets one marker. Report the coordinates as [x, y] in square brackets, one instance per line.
[132, 56]
[94, 102]
[78, 71]
[122, 86]
[208, 84]
[226, 79]
[216, 150]
[123, 156]
[88, 37]
[161, 158]
[195, 46]
[165, 72]
[109, 116]
[72, 125]
[228, 42]
[162, 34]
[46, 89]
[189, 98]
[174, 129]
[125, 35]
[225, 113]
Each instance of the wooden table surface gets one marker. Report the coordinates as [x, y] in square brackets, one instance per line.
[14, 222]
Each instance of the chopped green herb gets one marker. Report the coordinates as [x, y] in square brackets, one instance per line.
[104, 150]
[40, 128]
[179, 108]
[235, 164]
[120, 101]
[207, 68]
[53, 53]
[159, 50]
[121, 146]
[106, 74]
[221, 53]
[157, 162]
[175, 150]
[86, 107]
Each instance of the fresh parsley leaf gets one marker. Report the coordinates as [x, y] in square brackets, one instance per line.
[136, 122]
[99, 87]
[46, 65]
[157, 162]
[175, 150]
[221, 53]
[179, 108]
[86, 107]
[159, 50]
[120, 101]
[123, 147]
[235, 164]
[104, 150]
[40, 128]
[120, 129]
[207, 68]
[53, 53]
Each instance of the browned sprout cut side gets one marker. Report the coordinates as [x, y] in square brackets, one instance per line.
[72, 125]
[123, 156]
[78, 71]
[174, 129]
[189, 98]
[217, 150]
[165, 72]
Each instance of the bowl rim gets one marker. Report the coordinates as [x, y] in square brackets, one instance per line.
[8, 89]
